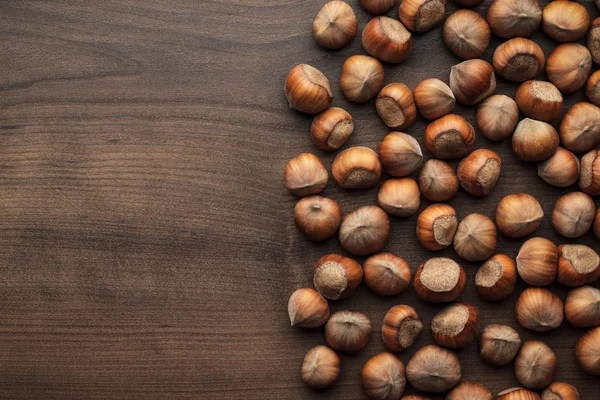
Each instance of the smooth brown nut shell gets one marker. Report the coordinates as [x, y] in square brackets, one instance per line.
[589, 176]
[534, 140]
[356, 168]
[495, 280]
[335, 25]
[336, 277]
[456, 325]
[565, 21]
[560, 391]
[537, 261]
[362, 78]
[331, 129]
[387, 39]
[383, 377]
[433, 369]
[386, 274]
[438, 181]
[399, 197]
[436, 226]
[378, 6]
[592, 87]
[472, 81]
[587, 350]
[449, 137]
[577, 265]
[401, 327]
[582, 307]
[320, 367]
[422, 15]
[518, 59]
[307, 89]
[569, 65]
[517, 393]
[518, 215]
[560, 170]
[479, 172]
[499, 344]
[365, 230]
[540, 100]
[573, 214]
[511, 18]
[434, 98]
[469, 391]
[318, 218]
[579, 129]
[593, 42]
[439, 280]
[475, 238]
[305, 174]
[466, 34]
[539, 310]
[535, 365]
[347, 331]
[396, 106]
[307, 308]
[400, 154]
[497, 117]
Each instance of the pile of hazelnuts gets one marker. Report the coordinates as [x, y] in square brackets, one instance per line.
[364, 231]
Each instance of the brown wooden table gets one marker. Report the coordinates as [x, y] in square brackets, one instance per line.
[147, 247]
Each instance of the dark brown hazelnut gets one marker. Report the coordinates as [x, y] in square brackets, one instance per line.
[307, 89]
[440, 280]
[518, 59]
[499, 344]
[438, 181]
[400, 154]
[466, 34]
[396, 106]
[456, 325]
[336, 277]
[400, 328]
[519, 215]
[356, 168]
[378, 6]
[540, 100]
[511, 18]
[573, 214]
[479, 171]
[592, 87]
[449, 137]
[347, 331]
[386, 274]
[436, 226]
[399, 197]
[387, 39]
[305, 174]
[361, 79]
[534, 140]
[497, 117]
[332, 128]
[475, 238]
[365, 230]
[335, 25]
[539, 310]
[496, 278]
[535, 365]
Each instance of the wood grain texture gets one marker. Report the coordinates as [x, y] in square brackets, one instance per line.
[147, 245]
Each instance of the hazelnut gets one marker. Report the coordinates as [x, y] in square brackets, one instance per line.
[540, 100]
[433, 369]
[589, 178]
[387, 39]
[594, 40]
[472, 81]
[582, 307]
[539, 310]
[455, 325]
[565, 21]
[580, 127]
[378, 6]
[518, 59]
[596, 227]
[356, 168]
[573, 214]
[307, 89]
[560, 391]
[383, 377]
[537, 261]
[517, 393]
[400, 328]
[332, 128]
[449, 137]
[386, 274]
[499, 344]
[587, 351]
[335, 25]
[511, 18]
[400, 154]
[399, 197]
[534, 140]
[396, 107]
[475, 238]
[320, 367]
[305, 174]
[518, 215]
[365, 230]
[361, 79]
[479, 171]
[440, 280]
[469, 391]
[496, 278]
[436, 226]
[347, 331]
[560, 170]
[497, 117]
[422, 15]
[577, 265]
[336, 277]
[307, 309]
[592, 87]
[569, 65]
[535, 364]
[434, 98]
[438, 181]
[466, 34]
[317, 217]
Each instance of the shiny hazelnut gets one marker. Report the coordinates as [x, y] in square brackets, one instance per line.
[472, 81]
[436, 226]
[596, 226]
[580, 127]
[560, 391]
[540, 100]
[331, 129]
[356, 168]
[433, 369]
[449, 137]
[499, 344]
[307, 89]
[535, 365]
[307, 309]
[589, 177]
[305, 174]
[320, 367]
[387, 39]
[569, 65]
[422, 15]
[573, 214]
[587, 351]
[434, 98]
[456, 325]
[560, 170]
[479, 171]
[438, 181]
[466, 34]
[517, 393]
[582, 307]
[497, 117]
[386, 274]
[511, 18]
[336, 277]
[565, 21]
[317, 217]
[577, 265]
[440, 280]
[518, 59]
[396, 106]
[469, 391]
[361, 79]
[593, 43]
[399, 197]
[400, 154]
[539, 310]
[592, 87]
[378, 6]
[537, 261]
[365, 230]
[335, 25]
[495, 280]
[534, 140]
[383, 377]
[518, 215]
[400, 328]
[475, 238]
[347, 331]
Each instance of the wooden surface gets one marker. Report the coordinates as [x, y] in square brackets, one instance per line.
[147, 246]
